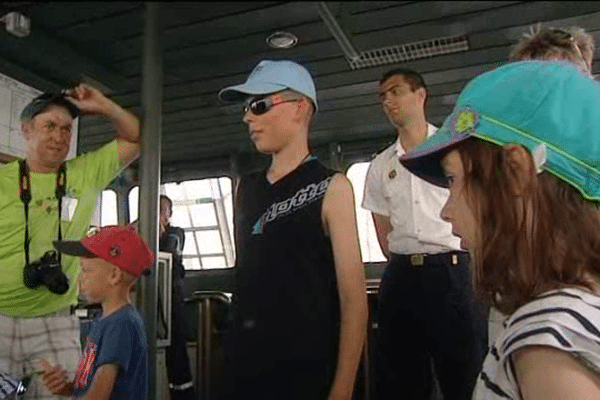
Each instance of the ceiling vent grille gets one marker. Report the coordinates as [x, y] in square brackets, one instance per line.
[410, 51]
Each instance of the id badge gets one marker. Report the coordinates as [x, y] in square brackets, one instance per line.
[69, 204]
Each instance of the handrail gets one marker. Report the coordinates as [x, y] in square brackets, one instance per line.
[212, 294]
[204, 341]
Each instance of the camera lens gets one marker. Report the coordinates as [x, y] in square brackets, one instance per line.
[55, 279]
[47, 271]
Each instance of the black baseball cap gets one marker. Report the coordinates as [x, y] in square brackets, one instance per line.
[43, 101]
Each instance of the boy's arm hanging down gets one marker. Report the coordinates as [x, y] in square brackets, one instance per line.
[102, 382]
[339, 218]
[55, 378]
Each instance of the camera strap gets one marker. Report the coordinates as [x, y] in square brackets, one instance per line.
[59, 192]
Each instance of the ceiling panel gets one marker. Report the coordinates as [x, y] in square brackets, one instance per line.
[210, 45]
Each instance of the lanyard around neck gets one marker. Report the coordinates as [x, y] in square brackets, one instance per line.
[25, 186]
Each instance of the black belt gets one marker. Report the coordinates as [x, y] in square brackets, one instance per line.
[420, 259]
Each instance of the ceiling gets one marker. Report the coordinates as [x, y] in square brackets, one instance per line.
[208, 46]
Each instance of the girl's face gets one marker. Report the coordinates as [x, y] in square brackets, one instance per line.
[458, 210]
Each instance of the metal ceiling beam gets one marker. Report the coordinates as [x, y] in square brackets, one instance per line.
[337, 32]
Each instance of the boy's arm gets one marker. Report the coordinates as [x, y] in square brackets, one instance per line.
[102, 382]
[55, 379]
[340, 221]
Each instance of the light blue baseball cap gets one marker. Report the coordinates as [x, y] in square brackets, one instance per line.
[551, 108]
[270, 77]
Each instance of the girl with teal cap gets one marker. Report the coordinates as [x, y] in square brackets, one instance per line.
[521, 156]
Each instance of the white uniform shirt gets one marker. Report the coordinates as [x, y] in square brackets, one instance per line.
[412, 204]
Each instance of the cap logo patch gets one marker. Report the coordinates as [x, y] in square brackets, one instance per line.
[464, 121]
[258, 68]
[115, 250]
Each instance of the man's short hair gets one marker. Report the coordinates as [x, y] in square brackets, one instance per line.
[571, 43]
[169, 201]
[291, 93]
[45, 100]
[414, 79]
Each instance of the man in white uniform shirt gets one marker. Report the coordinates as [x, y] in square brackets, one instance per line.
[426, 307]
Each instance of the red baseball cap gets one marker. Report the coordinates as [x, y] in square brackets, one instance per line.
[117, 244]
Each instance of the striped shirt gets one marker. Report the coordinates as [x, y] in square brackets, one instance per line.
[566, 319]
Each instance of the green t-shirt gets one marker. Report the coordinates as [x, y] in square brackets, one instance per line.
[87, 175]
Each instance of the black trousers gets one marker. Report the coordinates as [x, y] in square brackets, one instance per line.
[257, 369]
[288, 379]
[178, 364]
[427, 313]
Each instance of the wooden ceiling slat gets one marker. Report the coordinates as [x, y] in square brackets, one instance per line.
[198, 75]
[209, 46]
[305, 23]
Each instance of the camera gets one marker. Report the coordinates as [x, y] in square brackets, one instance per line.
[47, 271]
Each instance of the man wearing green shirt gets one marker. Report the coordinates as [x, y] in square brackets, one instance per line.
[36, 322]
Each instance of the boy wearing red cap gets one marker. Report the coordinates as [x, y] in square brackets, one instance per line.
[114, 364]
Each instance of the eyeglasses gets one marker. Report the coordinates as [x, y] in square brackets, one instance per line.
[262, 105]
[568, 39]
[562, 34]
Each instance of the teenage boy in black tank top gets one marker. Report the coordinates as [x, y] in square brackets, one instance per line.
[300, 308]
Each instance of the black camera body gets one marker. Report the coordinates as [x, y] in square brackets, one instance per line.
[47, 271]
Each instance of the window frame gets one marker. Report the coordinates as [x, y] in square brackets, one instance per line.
[367, 236]
[224, 221]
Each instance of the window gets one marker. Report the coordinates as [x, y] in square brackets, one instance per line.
[369, 245]
[204, 209]
[106, 209]
[108, 213]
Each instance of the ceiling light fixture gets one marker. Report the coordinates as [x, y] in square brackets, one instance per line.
[411, 51]
[17, 24]
[282, 40]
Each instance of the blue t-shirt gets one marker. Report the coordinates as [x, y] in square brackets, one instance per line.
[118, 339]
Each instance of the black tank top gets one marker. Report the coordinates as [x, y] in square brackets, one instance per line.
[287, 298]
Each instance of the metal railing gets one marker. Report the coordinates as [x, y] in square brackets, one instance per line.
[206, 329]
[206, 301]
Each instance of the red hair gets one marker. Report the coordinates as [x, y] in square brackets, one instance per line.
[546, 237]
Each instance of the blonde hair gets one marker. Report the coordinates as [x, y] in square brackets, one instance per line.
[546, 43]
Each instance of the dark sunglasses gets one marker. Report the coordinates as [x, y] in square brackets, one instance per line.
[261, 105]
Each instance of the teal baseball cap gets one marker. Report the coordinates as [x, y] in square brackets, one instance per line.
[551, 108]
[270, 77]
